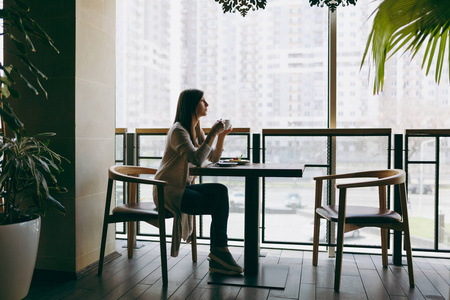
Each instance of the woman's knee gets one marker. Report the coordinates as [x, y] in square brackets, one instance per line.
[222, 189]
[220, 193]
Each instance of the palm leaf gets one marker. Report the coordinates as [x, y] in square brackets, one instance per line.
[408, 25]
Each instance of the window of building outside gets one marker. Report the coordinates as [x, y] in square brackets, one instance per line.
[270, 70]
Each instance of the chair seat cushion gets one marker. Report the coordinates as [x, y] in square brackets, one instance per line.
[141, 208]
[360, 214]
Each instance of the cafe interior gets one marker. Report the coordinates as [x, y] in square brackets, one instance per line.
[324, 202]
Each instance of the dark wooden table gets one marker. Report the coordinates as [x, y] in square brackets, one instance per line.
[255, 274]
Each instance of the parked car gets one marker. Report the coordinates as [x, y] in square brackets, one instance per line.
[237, 201]
[293, 201]
[415, 188]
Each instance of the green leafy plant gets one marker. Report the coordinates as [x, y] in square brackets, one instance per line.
[409, 25]
[21, 30]
[28, 177]
[28, 167]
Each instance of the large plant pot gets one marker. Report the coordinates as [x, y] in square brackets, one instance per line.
[18, 250]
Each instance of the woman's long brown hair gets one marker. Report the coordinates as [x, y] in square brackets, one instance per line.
[186, 110]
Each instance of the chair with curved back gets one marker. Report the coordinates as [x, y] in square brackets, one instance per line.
[349, 218]
[134, 211]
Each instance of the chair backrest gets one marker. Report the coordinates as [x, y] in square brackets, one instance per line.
[130, 174]
[384, 177]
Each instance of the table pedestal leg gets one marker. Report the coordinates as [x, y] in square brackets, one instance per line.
[251, 227]
[255, 274]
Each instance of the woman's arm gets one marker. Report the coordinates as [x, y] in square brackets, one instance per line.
[221, 138]
[181, 142]
[217, 152]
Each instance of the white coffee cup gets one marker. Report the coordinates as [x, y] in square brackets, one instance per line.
[227, 124]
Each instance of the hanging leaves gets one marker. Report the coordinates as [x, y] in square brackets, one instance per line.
[407, 26]
[242, 6]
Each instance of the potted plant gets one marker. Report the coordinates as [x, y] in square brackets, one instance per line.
[28, 176]
[28, 167]
[409, 25]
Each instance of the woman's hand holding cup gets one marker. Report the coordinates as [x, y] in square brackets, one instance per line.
[227, 127]
[221, 127]
[218, 127]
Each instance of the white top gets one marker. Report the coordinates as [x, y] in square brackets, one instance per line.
[179, 154]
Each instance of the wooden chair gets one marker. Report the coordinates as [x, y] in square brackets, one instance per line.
[350, 218]
[138, 211]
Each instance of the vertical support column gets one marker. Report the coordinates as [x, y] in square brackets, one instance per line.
[256, 149]
[398, 164]
[332, 86]
[130, 149]
[332, 67]
[332, 140]
[438, 217]
[130, 159]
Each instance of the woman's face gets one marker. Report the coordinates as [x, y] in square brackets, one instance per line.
[202, 108]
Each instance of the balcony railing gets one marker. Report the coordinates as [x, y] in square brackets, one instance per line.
[287, 204]
[325, 151]
[427, 164]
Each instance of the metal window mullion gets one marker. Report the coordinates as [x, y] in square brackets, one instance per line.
[332, 67]
[397, 235]
[263, 210]
[389, 153]
[256, 159]
[131, 147]
[248, 145]
[332, 250]
[332, 71]
[406, 157]
[436, 196]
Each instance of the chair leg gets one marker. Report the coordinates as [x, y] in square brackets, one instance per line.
[407, 236]
[102, 247]
[339, 250]
[105, 226]
[317, 200]
[163, 250]
[131, 240]
[194, 239]
[407, 241]
[316, 239]
[384, 254]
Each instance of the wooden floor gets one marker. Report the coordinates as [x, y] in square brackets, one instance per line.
[363, 277]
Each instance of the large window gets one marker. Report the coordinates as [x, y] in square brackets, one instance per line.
[270, 69]
[409, 98]
[266, 70]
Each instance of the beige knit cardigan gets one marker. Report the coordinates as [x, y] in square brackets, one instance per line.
[180, 153]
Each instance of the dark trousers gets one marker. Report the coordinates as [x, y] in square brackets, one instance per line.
[209, 199]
